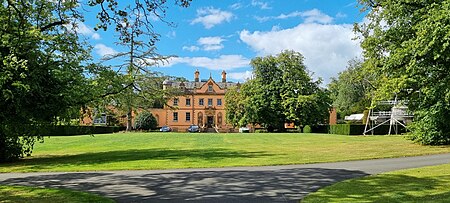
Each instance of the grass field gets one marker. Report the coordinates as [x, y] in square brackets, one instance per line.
[18, 194]
[126, 151]
[427, 184]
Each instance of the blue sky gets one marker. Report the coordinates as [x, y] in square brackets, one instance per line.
[212, 36]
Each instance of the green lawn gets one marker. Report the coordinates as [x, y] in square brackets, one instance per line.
[125, 151]
[428, 184]
[18, 194]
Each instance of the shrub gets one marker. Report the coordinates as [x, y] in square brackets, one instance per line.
[145, 121]
[307, 129]
[431, 127]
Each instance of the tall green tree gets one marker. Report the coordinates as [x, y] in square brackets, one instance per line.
[281, 91]
[304, 102]
[234, 106]
[264, 99]
[406, 43]
[41, 75]
[44, 65]
[351, 90]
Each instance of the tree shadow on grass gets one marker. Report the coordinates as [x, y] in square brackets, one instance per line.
[159, 154]
[237, 185]
[19, 194]
[386, 188]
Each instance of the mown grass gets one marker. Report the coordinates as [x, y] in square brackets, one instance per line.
[427, 184]
[18, 194]
[134, 151]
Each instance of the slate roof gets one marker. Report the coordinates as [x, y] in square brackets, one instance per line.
[192, 85]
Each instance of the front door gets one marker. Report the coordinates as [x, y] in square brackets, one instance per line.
[210, 121]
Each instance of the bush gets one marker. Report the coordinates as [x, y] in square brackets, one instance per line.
[307, 129]
[12, 148]
[431, 127]
[145, 121]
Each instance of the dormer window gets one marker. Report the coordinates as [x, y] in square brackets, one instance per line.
[210, 88]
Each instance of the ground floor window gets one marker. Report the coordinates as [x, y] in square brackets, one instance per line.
[188, 116]
[175, 116]
[100, 119]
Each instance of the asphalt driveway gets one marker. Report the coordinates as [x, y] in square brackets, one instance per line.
[239, 184]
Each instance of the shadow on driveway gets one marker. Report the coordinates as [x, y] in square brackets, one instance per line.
[286, 185]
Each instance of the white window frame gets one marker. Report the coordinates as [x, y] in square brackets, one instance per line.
[210, 102]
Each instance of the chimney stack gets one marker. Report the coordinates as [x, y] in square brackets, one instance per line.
[224, 76]
[197, 75]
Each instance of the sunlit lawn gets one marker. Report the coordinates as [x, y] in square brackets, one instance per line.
[23, 194]
[428, 184]
[130, 151]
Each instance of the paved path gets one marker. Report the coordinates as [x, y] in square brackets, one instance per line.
[240, 184]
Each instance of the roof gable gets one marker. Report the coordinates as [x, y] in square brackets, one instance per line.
[204, 88]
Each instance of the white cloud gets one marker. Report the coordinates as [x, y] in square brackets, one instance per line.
[316, 15]
[211, 43]
[207, 44]
[224, 62]
[240, 76]
[326, 47]
[211, 17]
[261, 4]
[236, 6]
[96, 36]
[213, 47]
[171, 35]
[191, 48]
[81, 28]
[310, 16]
[341, 15]
[104, 50]
[289, 15]
[210, 40]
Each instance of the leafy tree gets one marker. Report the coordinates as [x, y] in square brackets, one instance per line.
[41, 76]
[281, 91]
[44, 64]
[264, 101]
[405, 43]
[145, 121]
[137, 35]
[234, 106]
[351, 91]
[303, 101]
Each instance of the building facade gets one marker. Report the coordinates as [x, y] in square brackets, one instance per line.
[202, 103]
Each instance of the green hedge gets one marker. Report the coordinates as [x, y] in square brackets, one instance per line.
[352, 129]
[320, 128]
[62, 130]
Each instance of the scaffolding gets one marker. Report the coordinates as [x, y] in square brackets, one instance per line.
[399, 115]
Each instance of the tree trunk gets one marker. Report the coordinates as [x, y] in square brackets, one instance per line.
[129, 120]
